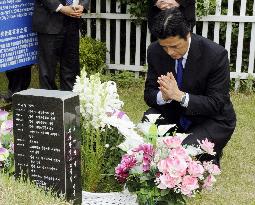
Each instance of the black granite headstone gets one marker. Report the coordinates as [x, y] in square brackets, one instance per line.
[47, 140]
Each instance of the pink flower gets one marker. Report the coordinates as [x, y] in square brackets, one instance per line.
[163, 165]
[4, 153]
[3, 115]
[172, 142]
[178, 167]
[129, 161]
[148, 153]
[174, 166]
[207, 146]
[145, 148]
[166, 181]
[6, 127]
[119, 114]
[189, 184]
[208, 182]
[195, 169]
[121, 173]
[181, 153]
[122, 170]
[211, 168]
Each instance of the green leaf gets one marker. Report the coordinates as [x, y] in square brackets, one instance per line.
[153, 134]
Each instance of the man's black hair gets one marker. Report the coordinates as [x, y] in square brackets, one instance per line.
[170, 22]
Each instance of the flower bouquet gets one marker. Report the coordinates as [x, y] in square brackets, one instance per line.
[6, 143]
[159, 169]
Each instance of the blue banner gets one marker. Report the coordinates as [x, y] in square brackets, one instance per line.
[18, 44]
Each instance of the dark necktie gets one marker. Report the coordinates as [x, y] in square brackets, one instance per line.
[179, 72]
[69, 2]
[184, 122]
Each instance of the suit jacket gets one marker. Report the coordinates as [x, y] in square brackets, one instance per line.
[206, 78]
[187, 7]
[46, 19]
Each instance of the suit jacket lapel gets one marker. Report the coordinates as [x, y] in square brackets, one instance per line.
[192, 61]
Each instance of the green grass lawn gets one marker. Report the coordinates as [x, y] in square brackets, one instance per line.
[14, 193]
[235, 186]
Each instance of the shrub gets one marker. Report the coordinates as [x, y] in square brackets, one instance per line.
[92, 55]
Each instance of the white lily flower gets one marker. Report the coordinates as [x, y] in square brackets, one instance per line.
[144, 127]
[162, 129]
[132, 139]
[182, 135]
[152, 117]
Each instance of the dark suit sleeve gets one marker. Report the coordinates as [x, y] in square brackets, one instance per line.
[186, 3]
[152, 12]
[217, 91]
[52, 5]
[151, 86]
[188, 8]
[85, 4]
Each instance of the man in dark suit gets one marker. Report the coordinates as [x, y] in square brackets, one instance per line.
[187, 7]
[57, 24]
[188, 82]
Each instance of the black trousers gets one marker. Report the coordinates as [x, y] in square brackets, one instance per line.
[221, 133]
[62, 48]
[19, 79]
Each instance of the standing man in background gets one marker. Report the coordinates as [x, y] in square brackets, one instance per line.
[57, 24]
[187, 8]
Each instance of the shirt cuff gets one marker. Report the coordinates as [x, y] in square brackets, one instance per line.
[160, 100]
[186, 102]
[59, 7]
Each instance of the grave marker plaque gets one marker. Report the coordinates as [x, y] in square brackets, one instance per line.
[47, 140]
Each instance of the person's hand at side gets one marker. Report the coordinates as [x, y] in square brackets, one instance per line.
[78, 10]
[169, 88]
[166, 4]
[72, 11]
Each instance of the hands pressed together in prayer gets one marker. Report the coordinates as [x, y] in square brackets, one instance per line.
[166, 4]
[72, 11]
[169, 88]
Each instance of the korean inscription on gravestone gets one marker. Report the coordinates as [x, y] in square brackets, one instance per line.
[46, 137]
